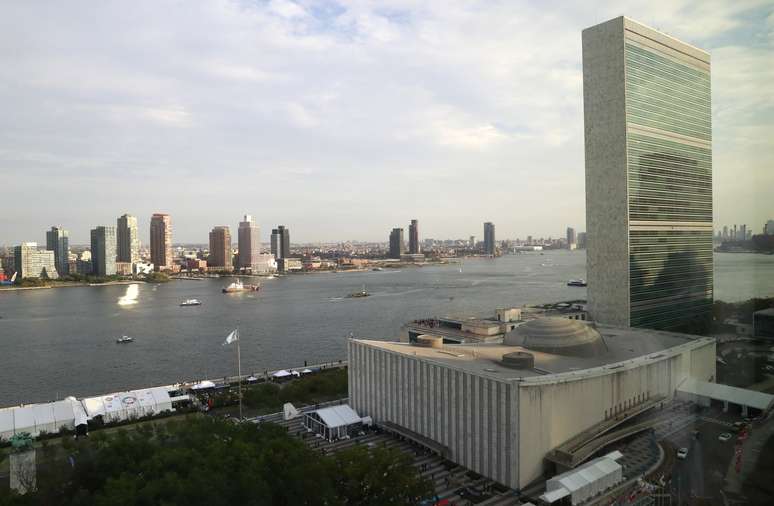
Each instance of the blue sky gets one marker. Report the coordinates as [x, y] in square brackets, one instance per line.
[342, 119]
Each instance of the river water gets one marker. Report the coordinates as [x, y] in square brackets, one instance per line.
[60, 342]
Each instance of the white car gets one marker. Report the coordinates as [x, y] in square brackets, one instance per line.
[682, 453]
[724, 437]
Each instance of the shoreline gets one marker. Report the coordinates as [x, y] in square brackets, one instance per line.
[70, 284]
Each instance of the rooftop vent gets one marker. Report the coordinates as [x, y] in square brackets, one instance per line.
[428, 341]
[519, 360]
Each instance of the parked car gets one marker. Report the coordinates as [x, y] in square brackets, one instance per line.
[724, 437]
[682, 453]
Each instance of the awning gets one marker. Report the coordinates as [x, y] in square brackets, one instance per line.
[281, 374]
[720, 392]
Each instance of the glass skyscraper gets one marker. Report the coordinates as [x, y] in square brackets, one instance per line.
[58, 241]
[648, 133]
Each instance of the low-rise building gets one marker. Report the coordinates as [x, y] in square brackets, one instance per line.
[501, 408]
[289, 264]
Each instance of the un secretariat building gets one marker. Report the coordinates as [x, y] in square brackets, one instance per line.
[648, 133]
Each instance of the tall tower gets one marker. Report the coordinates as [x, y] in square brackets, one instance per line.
[414, 237]
[648, 133]
[275, 243]
[489, 238]
[103, 251]
[397, 246]
[161, 241]
[220, 248]
[249, 237]
[127, 240]
[284, 241]
[58, 241]
[571, 239]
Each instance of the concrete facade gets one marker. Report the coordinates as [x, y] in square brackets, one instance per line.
[501, 422]
[607, 211]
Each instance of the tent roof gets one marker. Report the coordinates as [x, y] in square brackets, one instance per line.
[338, 416]
[281, 374]
[720, 392]
[580, 477]
[203, 384]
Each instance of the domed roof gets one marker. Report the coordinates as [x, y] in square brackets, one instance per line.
[560, 336]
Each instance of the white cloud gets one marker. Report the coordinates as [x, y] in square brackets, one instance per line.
[373, 100]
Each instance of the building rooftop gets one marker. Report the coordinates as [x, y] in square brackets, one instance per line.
[621, 348]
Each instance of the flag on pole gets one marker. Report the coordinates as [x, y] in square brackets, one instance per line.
[233, 336]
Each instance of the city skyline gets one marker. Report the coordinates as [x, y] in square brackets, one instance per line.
[447, 119]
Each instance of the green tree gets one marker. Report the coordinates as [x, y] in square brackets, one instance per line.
[378, 476]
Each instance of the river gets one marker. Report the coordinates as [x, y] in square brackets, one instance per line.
[60, 342]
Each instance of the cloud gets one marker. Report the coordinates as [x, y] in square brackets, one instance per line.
[285, 106]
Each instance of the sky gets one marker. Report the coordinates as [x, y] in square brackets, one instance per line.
[341, 119]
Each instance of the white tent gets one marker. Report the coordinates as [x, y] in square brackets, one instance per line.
[281, 374]
[585, 481]
[332, 422]
[121, 406]
[203, 384]
[47, 417]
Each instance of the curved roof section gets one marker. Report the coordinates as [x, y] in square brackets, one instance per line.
[560, 336]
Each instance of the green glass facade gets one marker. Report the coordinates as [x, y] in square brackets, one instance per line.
[669, 164]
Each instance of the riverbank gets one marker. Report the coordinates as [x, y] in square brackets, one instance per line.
[70, 284]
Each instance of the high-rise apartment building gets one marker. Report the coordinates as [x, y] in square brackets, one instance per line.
[472, 241]
[648, 133]
[414, 237]
[489, 239]
[275, 242]
[127, 240]
[220, 248]
[31, 262]
[768, 228]
[103, 251]
[397, 246]
[161, 241]
[284, 241]
[58, 241]
[249, 243]
[571, 240]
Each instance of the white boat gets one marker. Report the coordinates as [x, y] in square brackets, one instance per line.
[124, 339]
[191, 302]
[238, 286]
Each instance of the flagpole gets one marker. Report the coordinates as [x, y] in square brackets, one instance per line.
[239, 374]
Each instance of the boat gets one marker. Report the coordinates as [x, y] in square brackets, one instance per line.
[238, 286]
[357, 295]
[124, 339]
[378, 269]
[576, 282]
[191, 302]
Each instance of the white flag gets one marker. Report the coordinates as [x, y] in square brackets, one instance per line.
[233, 336]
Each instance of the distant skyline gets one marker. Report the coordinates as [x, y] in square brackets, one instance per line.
[341, 120]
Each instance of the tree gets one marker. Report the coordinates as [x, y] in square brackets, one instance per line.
[378, 476]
